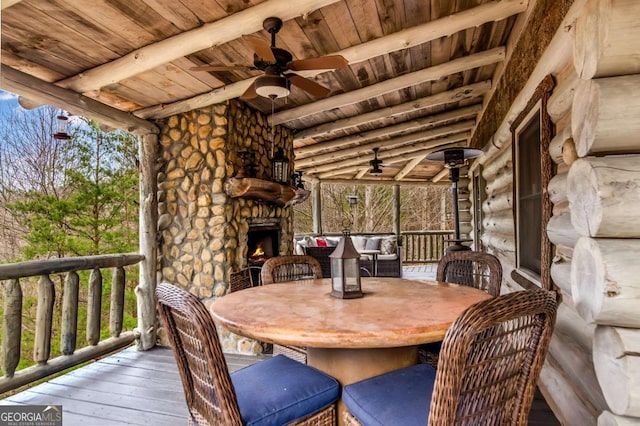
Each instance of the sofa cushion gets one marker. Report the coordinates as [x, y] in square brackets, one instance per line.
[359, 242]
[309, 242]
[300, 248]
[280, 390]
[387, 257]
[333, 241]
[388, 245]
[399, 398]
[373, 244]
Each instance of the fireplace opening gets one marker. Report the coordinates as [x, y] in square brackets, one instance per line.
[263, 242]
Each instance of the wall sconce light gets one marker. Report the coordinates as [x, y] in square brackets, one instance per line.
[62, 125]
[280, 167]
[345, 269]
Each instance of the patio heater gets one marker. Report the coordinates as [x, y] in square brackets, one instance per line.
[454, 159]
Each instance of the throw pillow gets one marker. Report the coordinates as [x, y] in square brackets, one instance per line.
[321, 242]
[388, 245]
[359, 242]
[332, 242]
[311, 242]
[372, 244]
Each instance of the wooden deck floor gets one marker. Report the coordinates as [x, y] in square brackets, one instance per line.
[143, 388]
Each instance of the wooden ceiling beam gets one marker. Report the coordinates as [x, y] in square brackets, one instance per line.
[471, 18]
[360, 174]
[303, 153]
[9, 3]
[408, 167]
[37, 90]
[326, 161]
[404, 157]
[395, 155]
[455, 95]
[212, 34]
[381, 181]
[465, 63]
[440, 175]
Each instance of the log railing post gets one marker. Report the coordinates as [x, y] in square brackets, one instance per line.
[68, 333]
[94, 304]
[116, 313]
[44, 319]
[11, 327]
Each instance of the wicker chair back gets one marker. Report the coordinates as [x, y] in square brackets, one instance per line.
[471, 268]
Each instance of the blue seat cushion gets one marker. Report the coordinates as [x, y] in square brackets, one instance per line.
[398, 398]
[280, 390]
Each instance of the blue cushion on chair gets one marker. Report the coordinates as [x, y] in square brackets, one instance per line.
[398, 398]
[279, 390]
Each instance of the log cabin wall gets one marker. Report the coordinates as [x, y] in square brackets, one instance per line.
[203, 231]
[592, 371]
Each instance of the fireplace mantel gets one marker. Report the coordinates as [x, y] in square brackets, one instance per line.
[265, 190]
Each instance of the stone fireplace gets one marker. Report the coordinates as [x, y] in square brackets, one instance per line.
[205, 234]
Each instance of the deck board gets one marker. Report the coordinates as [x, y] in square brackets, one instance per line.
[144, 388]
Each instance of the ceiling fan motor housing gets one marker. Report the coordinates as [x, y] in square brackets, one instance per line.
[272, 86]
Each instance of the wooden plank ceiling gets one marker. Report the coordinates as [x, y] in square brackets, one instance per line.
[419, 70]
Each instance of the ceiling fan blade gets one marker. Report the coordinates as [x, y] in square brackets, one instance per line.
[250, 93]
[221, 68]
[320, 63]
[261, 47]
[309, 86]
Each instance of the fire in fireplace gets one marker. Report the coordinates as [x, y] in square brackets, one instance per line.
[263, 242]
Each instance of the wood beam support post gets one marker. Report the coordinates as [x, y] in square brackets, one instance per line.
[316, 205]
[145, 291]
[396, 211]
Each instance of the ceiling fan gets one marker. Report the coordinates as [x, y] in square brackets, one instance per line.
[277, 65]
[376, 164]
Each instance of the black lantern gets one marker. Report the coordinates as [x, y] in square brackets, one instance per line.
[280, 167]
[62, 125]
[345, 270]
[297, 181]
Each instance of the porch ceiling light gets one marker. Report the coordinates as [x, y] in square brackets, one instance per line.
[62, 124]
[272, 86]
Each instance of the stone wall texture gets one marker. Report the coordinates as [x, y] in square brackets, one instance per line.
[203, 231]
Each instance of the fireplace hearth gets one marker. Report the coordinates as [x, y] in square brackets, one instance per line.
[263, 242]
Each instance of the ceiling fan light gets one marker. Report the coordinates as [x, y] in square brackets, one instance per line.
[272, 86]
[375, 171]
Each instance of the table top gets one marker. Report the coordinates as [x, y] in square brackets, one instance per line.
[394, 312]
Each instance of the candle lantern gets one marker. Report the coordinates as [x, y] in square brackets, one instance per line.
[280, 167]
[345, 270]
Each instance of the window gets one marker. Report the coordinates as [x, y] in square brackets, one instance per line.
[529, 197]
[479, 197]
[533, 168]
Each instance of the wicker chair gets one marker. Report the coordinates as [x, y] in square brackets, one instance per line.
[240, 280]
[490, 362]
[290, 268]
[214, 397]
[470, 268]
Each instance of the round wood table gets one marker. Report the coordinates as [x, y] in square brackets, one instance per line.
[349, 339]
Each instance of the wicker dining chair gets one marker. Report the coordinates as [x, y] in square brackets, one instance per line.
[290, 268]
[277, 390]
[470, 268]
[240, 280]
[489, 366]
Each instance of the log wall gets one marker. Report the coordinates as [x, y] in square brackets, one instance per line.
[593, 365]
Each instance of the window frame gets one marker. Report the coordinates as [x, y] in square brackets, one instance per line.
[537, 106]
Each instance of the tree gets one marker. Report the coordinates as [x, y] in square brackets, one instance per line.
[72, 197]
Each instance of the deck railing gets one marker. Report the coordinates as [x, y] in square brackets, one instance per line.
[424, 246]
[417, 246]
[46, 301]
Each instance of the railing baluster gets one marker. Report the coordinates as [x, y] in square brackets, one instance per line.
[69, 331]
[44, 319]
[11, 327]
[94, 305]
[116, 313]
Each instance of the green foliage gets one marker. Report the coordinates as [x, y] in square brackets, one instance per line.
[76, 197]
